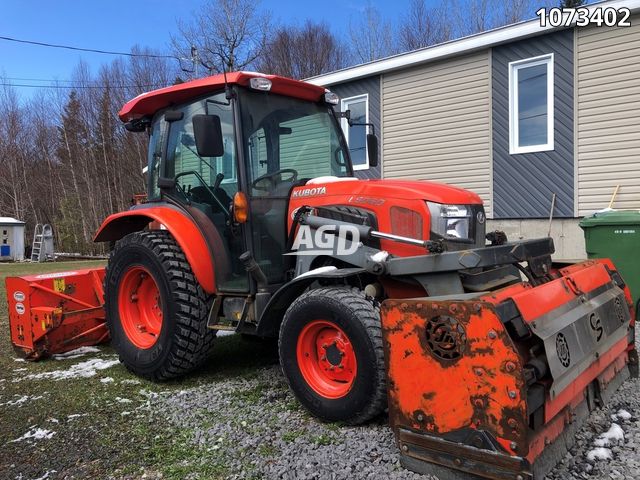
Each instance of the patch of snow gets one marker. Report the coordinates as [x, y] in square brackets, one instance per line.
[599, 453]
[21, 400]
[129, 381]
[53, 420]
[381, 256]
[124, 414]
[78, 352]
[20, 369]
[76, 415]
[35, 433]
[46, 475]
[19, 360]
[80, 370]
[17, 401]
[615, 435]
[106, 380]
[150, 394]
[317, 271]
[123, 400]
[621, 415]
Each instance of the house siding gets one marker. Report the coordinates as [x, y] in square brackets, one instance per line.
[523, 184]
[608, 116]
[370, 86]
[435, 123]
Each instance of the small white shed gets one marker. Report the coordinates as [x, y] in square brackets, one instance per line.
[11, 239]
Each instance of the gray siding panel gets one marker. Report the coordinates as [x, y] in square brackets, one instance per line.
[436, 123]
[608, 116]
[523, 184]
[371, 86]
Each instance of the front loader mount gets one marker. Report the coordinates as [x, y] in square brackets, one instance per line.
[494, 384]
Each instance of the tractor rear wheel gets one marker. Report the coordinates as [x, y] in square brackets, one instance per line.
[156, 310]
[331, 353]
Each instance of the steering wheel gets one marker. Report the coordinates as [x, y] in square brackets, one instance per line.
[268, 182]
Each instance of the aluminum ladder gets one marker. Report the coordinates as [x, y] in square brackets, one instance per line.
[42, 247]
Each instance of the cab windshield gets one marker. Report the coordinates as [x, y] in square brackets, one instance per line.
[288, 140]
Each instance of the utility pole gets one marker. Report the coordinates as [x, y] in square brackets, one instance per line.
[195, 60]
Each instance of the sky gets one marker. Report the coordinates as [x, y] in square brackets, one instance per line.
[117, 25]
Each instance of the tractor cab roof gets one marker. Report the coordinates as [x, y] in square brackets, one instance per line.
[147, 104]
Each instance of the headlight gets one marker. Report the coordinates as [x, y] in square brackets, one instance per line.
[450, 221]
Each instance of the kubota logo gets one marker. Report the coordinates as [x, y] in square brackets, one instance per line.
[326, 240]
[309, 192]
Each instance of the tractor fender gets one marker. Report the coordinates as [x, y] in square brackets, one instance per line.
[271, 317]
[180, 226]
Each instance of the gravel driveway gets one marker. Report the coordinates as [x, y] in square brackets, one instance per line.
[256, 428]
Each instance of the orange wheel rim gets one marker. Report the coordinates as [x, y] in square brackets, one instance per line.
[326, 359]
[140, 307]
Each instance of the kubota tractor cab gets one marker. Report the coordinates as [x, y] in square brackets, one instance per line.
[258, 226]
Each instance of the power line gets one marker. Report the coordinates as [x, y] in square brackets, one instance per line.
[77, 83]
[92, 50]
[77, 87]
[38, 79]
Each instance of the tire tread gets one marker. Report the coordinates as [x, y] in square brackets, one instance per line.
[193, 341]
[368, 312]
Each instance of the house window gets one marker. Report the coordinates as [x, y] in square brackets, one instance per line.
[356, 135]
[531, 105]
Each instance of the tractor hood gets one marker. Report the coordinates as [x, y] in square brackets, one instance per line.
[399, 189]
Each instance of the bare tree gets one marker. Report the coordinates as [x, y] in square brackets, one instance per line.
[424, 26]
[302, 52]
[572, 3]
[227, 34]
[371, 36]
[475, 16]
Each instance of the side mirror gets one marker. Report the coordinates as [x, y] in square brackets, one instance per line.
[207, 133]
[372, 149]
[166, 183]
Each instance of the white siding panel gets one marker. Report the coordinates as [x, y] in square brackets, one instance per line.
[608, 116]
[436, 124]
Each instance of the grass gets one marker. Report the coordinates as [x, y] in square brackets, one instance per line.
[102, 442]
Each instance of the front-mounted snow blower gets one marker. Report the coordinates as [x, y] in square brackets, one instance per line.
[494, 384]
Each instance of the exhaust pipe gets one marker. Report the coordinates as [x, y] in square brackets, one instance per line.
[251, 266]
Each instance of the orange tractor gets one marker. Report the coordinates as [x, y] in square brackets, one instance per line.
[487, 352]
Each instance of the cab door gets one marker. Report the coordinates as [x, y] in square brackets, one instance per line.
[205, 186]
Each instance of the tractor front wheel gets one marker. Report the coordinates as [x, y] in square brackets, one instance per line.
[156, 310]
[331, 353]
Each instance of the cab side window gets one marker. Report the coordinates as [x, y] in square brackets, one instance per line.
[183, 162]
[156, 143]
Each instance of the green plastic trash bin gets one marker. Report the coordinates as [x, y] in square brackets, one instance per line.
[616, 235]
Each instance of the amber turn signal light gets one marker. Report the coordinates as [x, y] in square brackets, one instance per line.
[240, 207]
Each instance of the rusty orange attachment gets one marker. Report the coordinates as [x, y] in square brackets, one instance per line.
[486, 382]
[56, 312]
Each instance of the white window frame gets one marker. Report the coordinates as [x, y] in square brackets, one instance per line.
[514, 140]
[344, 105]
